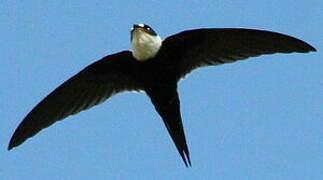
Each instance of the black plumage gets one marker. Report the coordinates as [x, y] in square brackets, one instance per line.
[158, 77]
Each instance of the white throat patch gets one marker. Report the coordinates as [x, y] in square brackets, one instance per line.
[144, 45]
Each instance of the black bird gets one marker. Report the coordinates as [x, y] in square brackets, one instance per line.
[154, 66]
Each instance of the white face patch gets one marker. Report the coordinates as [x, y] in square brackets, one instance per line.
[144, 45]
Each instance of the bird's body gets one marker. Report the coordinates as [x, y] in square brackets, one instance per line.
[155, 67]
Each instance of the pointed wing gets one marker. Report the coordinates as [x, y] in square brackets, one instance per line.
[201, 47]
[89, 87]
[167, 104]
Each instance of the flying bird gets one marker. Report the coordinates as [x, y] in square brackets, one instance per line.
[154, 66]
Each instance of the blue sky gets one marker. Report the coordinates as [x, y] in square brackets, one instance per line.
[254, 119]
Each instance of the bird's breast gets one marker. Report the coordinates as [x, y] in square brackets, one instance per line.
[145, 46]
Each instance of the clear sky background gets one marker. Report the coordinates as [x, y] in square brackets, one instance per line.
[256, 119]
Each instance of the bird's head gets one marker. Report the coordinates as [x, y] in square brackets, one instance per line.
[145, 42]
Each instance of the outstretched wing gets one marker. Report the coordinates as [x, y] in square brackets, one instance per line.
[200, 47]
[89, 87]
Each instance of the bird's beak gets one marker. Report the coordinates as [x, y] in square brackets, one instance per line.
[135, 26]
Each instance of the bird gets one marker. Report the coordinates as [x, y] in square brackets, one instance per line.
[154, 66]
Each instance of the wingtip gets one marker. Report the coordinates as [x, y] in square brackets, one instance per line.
[14, 142]
[313, 49]
[11, 145]
[310, 48]
[306, 49]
